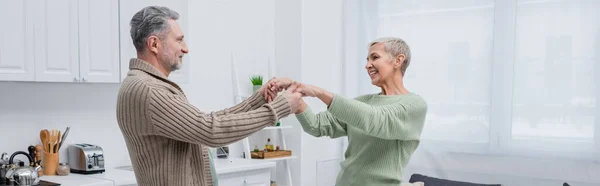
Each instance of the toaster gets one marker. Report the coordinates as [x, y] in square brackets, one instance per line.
[85, 158]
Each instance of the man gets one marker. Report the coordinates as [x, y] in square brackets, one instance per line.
[167, 137]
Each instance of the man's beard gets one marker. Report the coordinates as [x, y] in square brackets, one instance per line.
[171, 62]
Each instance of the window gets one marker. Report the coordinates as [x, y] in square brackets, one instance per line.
[556, 46]
[462, 51]
[452, 43]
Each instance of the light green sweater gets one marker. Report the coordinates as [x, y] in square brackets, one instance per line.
[383, 132]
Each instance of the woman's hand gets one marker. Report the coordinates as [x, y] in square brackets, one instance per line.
[309, 90]
[314, 91]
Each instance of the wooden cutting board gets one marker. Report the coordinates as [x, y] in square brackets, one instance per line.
[274, 154]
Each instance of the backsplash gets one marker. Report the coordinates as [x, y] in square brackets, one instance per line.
[89, 109]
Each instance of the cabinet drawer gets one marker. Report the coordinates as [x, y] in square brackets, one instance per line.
[260, 177]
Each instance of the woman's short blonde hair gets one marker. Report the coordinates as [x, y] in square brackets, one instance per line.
[395, 46]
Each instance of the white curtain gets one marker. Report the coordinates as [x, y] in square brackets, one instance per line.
[510, 84]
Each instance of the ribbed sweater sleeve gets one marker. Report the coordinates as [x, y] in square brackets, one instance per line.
[253, 102]
[173, 117]
[402, 120]
[321, 124]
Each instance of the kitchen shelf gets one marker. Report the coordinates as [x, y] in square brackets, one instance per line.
[238, 98]
[278, 159]
[277, 127]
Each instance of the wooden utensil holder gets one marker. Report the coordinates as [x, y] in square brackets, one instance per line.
[50, 163]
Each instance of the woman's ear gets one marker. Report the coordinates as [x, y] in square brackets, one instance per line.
[399, 60]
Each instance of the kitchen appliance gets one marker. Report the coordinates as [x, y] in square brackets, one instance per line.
[86, 158]
[22, 175]
[4, 166]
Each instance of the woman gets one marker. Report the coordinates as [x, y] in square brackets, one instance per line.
[383, 129]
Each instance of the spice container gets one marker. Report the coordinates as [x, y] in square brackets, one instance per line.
[63, 169]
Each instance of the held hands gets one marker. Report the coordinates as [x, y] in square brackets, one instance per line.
[303, 89]
[295, 99]
[266, 91]
[279, 84]
[274, 86]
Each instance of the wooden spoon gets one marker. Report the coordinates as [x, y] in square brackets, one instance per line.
[57, 146]
[44, 135]
[52, 141]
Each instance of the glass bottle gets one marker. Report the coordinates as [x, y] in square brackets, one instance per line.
[269, 145]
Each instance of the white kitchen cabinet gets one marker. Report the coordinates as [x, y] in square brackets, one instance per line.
[127, 9]
[243, 172]
[232, 179]
[258, 177]
[56, 41]
[76, 41]
[99, 41]
[16, 61]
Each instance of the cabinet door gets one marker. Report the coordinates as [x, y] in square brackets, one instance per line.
[257, 184]
[261, 177]
[235, 179]
[16, 61]
[127, 9]
[99, 41]
[56, 41]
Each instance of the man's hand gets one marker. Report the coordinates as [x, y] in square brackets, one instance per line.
[302, 107]
[294, 98]
[266, 91]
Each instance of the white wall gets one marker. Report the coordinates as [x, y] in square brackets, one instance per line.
[321, 66]
[305, 48]
[216, 28]
[288, 32]
[288, 57]
[89, 109]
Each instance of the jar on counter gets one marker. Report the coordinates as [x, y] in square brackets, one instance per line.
[63, 169]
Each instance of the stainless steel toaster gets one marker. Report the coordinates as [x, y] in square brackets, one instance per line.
[85, 158]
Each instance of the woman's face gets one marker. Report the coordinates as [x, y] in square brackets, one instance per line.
[380, 65]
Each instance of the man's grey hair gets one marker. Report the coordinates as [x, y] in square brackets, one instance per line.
[152, 20]
[395, 46]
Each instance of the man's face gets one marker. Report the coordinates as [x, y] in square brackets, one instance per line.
[173, 47]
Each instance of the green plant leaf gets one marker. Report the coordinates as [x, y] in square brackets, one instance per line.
[256, 80]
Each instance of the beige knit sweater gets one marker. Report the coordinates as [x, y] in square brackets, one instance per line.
[167, 137]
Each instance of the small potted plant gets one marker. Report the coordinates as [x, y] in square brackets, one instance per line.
[257, 81]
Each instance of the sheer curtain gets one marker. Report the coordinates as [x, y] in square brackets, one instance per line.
[511, 84]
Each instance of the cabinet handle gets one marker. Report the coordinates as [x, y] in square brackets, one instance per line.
[75, 79]
[83, 79]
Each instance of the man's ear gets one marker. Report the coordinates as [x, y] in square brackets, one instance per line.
[152, 42]
[399, 60]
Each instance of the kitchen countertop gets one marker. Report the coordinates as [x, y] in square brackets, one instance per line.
[124, 175]
[77, 180]
[120, 175]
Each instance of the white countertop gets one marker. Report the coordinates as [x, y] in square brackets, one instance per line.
[77, 180]
[123, 176]
[118, 175]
